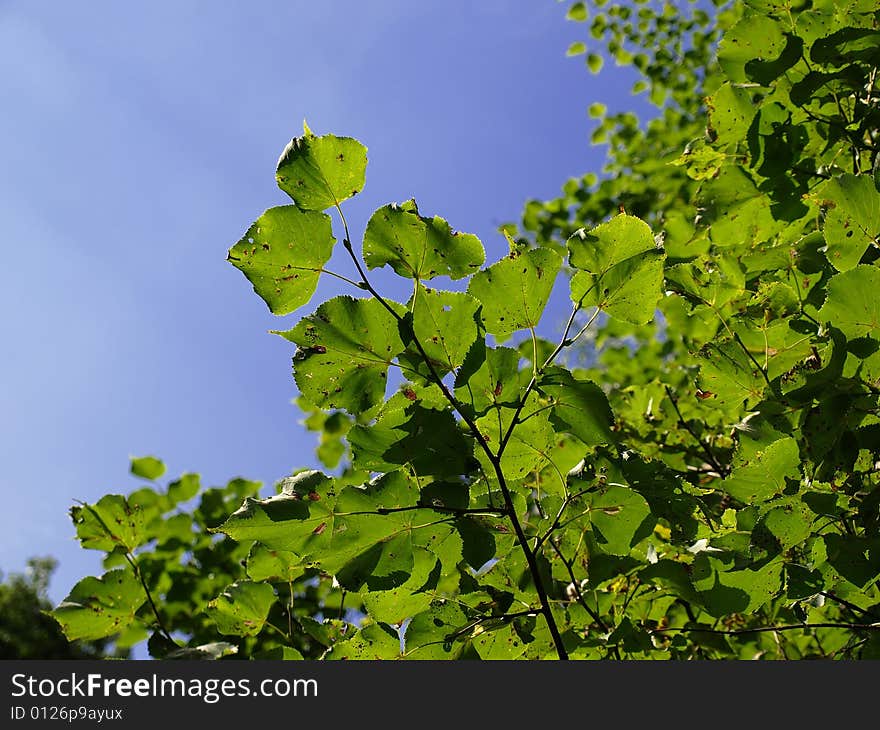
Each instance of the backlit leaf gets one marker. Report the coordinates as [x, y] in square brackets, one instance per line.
[148, 467]
[100, 607]
[418, 247]
[620, 269]
[282, 255]
[515, 290]
[321, 172]
[446, 324]
[581, 406]
[344, 351]
[766, 475]
[242, 608]
[852, 304]
[852, 220]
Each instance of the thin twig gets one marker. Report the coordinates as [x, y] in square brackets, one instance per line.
[850, 606]
[135, 567]
[140, 577]
[489, 511]
[722, 470]
[577, 589]
[762, 629]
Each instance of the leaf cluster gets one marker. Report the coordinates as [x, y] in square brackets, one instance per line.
[690, 470]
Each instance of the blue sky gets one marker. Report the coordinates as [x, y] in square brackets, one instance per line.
[139, 141]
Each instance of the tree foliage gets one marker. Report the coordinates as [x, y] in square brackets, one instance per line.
[26, 629]
[690, 470]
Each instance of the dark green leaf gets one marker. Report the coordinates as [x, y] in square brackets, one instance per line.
[429, 441]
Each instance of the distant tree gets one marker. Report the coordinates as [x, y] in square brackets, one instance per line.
[26, 630]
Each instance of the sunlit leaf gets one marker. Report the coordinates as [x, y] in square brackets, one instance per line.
[321, 172]
[418, 247]
[620, 269]
[282, 254]
[100, 607]
[514, 291]
[344, 351]
[242, 608]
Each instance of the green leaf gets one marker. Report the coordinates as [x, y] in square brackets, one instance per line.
[595, 62]
[738, 212]
[701, 162]
[285, 653]
[321, 172]
[376, 641]
[418, 247]
[529, 444]
[856, 559]
[620, 269]
[113, 522]
[729, 376]
[412, 597]
[100, 607]
[429, 441]
[754, 38]
[852, 304]
[852, 220]
[576, 49]
[446, 324]
[766, 475]
[620, 517]
[491, 377]
[264, 564]
[731, 111]
[725, 591]
[385, 565]
[432, 633]
[515, 290]
[282, 255]
[789, 523]
[242, 608]
[501, 643]
[577, 12]
[148, 467]
[184, 489]
[580, 405]
[344, 351]
[356, 526]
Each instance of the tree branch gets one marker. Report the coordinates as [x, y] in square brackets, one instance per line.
[509, 510]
